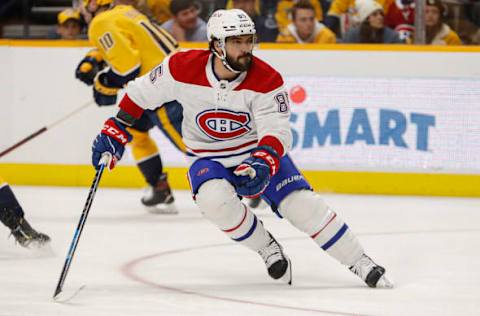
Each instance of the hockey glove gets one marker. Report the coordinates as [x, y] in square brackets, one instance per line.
[112, 140]
[255, 172]
[89, 66]
[104, 92]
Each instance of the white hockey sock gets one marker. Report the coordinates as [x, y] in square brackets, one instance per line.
[309, 213]
[249, 231]
[335, 237]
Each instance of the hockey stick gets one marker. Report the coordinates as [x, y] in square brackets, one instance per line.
[44, 129]
[83, 218]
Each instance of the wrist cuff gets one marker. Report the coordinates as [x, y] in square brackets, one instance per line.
[274, 143]
[130, 107]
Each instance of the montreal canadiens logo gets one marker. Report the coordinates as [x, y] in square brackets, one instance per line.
[223, 124]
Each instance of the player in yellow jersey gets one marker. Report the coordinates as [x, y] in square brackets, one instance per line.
[128, 45]
[12, 216]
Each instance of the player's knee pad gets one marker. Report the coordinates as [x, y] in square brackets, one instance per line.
[305, 210]
[219, 202]
[143, 146]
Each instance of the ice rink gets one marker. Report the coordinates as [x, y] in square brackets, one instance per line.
[135, 263]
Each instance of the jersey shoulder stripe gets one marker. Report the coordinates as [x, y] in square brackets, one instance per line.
[261, 78]
[189, 67]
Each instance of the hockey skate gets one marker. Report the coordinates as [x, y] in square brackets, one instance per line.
[159, 199]
[371, 273]
[278, 264]
[26, 236]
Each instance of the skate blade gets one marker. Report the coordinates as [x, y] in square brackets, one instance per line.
[384, 283]
[163, 209]
[287, 277]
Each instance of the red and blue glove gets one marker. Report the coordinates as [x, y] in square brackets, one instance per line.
[256, 171]
[112, 140]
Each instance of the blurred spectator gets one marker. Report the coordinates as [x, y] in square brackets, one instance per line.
[344, 10]
[158, 9]
[69, 26]
[372, 28]
[475, 17]
[90, 8]
[474, 12]
[437, 32]
[185, 25]
[304, 27]
[284, 11]
[463, 18]
[266, 27]
[263, 7]
[400, 16]
[257, 6]
[85, 12]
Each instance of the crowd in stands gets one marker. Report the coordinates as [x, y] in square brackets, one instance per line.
[301, 21]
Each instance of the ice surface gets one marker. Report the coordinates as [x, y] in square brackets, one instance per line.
[135, 263]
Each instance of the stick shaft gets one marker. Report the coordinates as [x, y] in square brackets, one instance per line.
[78, 231]
[44, 129]
[23, 141]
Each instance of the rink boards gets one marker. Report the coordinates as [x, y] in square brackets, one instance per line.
[375, 119]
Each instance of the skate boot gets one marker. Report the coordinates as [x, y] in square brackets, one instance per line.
[278, 264]
[26, 236]
[159, 199]
[371, 273]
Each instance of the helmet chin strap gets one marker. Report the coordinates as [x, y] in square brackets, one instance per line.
[223, 57]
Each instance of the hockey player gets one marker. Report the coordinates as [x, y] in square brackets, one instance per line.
[12, 216]
[237, 132]
[130, 46]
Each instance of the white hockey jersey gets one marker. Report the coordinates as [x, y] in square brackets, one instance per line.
[222, 120]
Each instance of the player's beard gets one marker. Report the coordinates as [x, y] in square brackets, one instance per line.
[242, 63]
